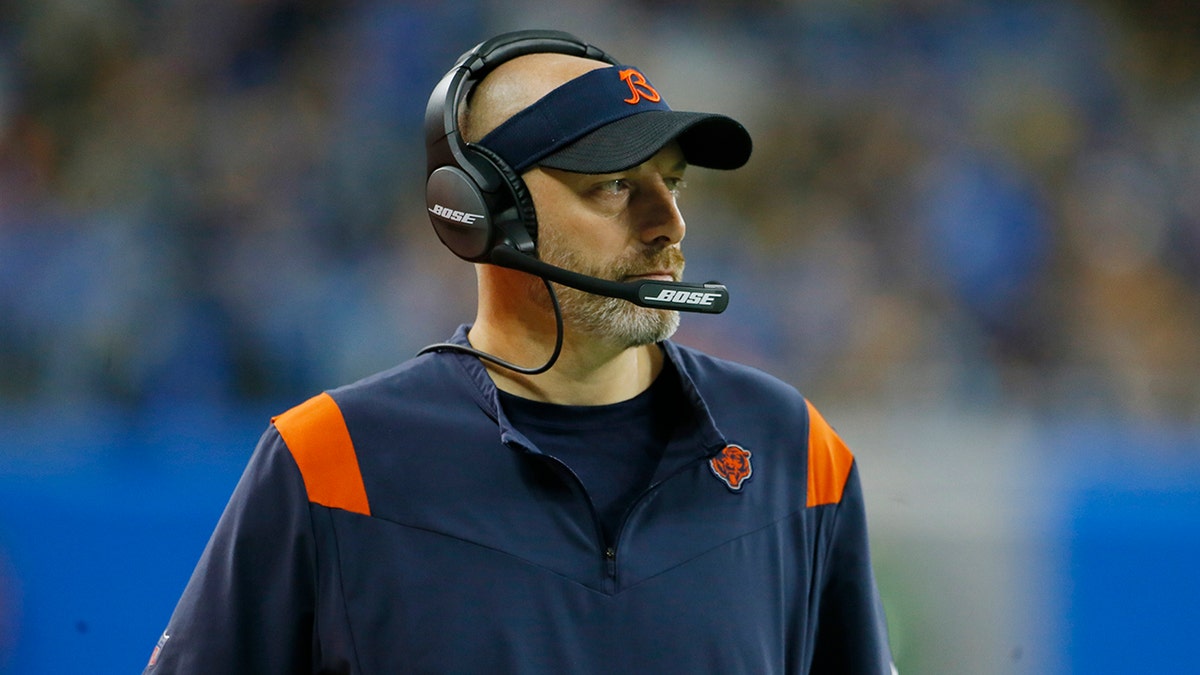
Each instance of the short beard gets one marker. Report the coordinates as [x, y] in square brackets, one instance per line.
[620, 322]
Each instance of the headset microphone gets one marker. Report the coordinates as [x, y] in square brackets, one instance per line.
[711, 297]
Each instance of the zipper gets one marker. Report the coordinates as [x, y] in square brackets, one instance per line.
[653, 486]
[608, 551]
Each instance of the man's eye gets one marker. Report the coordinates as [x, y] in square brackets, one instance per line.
[614, 186]
[675, 185]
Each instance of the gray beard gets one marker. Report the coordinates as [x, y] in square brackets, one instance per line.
[619, 322]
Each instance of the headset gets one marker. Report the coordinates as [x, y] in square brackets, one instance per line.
[475, 200]
[482, 211]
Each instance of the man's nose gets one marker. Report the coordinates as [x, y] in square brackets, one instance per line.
[659, 216]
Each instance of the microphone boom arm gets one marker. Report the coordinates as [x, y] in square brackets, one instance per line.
[709, 298]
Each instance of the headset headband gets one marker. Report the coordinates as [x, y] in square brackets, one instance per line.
[442, 140]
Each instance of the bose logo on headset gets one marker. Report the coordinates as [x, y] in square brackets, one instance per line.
[457, 216]
[668, 295]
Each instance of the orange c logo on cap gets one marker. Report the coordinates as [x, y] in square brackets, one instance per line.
[639, 87]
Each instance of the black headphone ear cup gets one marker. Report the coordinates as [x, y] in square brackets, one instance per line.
[460, 213]
[518, 222]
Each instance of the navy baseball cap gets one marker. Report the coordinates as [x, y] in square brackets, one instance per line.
[610, 119]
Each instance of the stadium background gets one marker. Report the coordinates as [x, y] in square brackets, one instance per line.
[970, 233]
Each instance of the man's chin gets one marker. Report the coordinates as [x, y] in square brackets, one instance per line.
[651, 327]
[617, 321]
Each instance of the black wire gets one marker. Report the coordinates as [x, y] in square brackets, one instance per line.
[558, 342]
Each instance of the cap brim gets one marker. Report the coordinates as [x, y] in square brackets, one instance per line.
[708, 140]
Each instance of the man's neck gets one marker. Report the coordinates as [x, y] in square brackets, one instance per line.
[587, 371]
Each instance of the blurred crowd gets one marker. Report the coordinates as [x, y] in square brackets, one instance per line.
[978, 202]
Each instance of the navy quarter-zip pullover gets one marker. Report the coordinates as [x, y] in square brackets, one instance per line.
[401, 524]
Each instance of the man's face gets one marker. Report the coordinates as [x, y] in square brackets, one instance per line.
[622, 226]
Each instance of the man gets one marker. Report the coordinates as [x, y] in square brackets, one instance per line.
[631, 506]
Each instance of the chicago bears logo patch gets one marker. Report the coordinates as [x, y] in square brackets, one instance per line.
[732, 466]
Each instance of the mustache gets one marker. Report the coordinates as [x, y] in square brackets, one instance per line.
[648, 262]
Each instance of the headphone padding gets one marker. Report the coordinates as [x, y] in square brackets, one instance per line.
[525, 217]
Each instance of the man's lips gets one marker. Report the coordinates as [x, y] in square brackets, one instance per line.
[653, 276]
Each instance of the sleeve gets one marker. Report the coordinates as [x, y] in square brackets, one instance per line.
[249, 605]
[850, 636]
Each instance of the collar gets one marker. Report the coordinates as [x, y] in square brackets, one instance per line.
[706, 439]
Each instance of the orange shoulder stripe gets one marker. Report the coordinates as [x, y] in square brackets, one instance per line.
[315, 433]
[829, 461]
